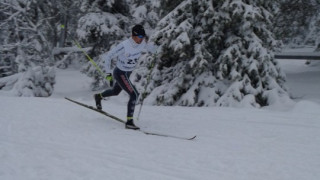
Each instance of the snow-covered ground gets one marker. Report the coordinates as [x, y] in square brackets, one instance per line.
[53, 139]
[303, 81]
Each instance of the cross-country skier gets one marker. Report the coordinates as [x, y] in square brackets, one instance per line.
[127, 54]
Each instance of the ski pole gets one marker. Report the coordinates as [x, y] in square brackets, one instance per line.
[85, 53]
[90, 59]
[146, 85]
[94, 63]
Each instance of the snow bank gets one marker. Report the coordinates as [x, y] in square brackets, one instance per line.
[307, 107]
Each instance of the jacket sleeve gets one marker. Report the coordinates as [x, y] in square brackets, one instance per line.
[114, 52]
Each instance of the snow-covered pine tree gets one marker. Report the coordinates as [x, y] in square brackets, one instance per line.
[313, 36]
[167, 6]
[7, 50]
[292, 20]
[6, 55]
[144, 12]
[36, 81]
[28, 43]
[62, 30]
[6, 64]
[182, 75]
[247, 61]
[316, 31]
[217, 53]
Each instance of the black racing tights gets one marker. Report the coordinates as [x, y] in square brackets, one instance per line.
[123, 83]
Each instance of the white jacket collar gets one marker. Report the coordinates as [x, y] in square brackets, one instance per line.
[133, 43]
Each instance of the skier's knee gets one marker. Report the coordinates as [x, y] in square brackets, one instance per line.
[116, 92]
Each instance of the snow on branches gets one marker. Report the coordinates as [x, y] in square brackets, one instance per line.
[217, 53]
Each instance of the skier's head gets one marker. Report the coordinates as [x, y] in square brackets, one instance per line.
[138, 33]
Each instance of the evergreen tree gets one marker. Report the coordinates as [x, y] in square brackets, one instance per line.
[315, 27]
[36, 81]
[216, 53]
[313, 35]
[167, 6]
[24, 24]
[292, 21]
[182, 75]
[247, 60]
[145, 12]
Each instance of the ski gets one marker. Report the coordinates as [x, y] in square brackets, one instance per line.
[168, 135]
[97, 110]
[123, 121]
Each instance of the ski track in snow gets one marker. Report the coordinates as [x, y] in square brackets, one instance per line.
[51, 138]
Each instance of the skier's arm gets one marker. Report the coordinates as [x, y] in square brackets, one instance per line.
[114, 52]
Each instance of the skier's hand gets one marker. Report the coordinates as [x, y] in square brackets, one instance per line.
[109, 78]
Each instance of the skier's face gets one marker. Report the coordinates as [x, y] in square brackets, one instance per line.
[138, 39]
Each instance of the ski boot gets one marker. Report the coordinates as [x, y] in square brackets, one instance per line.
[98, 98]
[131, 125]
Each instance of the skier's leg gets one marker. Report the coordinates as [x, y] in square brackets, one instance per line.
[116, 89]
[111, 92]
[127, 85]
[132, 91]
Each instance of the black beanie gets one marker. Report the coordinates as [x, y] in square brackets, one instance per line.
[138, 30]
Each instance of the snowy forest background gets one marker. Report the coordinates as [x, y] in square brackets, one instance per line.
[212, 52]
